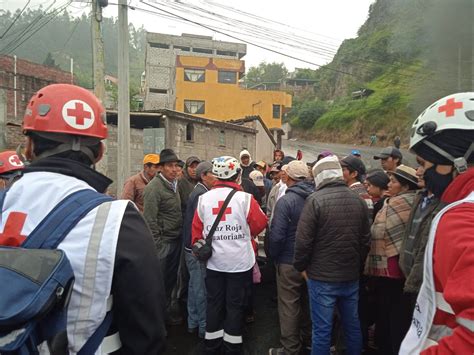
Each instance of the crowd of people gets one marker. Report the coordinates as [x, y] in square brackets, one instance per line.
[383, 257]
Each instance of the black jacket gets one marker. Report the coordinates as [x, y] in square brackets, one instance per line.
[137, 285]
[285, 219]
[333, 234]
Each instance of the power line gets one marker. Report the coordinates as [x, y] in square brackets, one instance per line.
[248, 42]
[51, 15]
[14, 20]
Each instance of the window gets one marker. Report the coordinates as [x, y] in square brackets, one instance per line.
[227, 53]
[194, 106]
[245, 142]
[158, 91]
[222, 138]
[202, 50]
[227, 77]
[189, 132]
[181, 48]
[159, 45]
[276, 111]
[196, 75]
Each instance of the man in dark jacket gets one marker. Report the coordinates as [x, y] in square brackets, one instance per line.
[62, 158]
[293, 306]
[197, 269]
[162, 211]
[332, 241]
[187, 181]
[186, 184]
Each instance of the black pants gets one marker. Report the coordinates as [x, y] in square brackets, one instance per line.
[393, 316]
[169, 256]
[227, 296]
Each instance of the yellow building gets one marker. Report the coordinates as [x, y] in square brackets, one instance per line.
[200, 76]
[210, 87]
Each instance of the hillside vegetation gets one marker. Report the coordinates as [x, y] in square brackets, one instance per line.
[409, 52]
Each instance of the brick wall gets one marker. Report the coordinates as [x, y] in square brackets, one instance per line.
[30, 78]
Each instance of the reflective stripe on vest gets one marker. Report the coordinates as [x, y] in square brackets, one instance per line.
[442, 304]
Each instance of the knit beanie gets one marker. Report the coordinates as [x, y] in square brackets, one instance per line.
[327, 170]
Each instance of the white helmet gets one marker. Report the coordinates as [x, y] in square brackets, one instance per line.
[225, 167]
[453, 112]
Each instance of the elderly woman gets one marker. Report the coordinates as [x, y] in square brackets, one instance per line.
[392, 321]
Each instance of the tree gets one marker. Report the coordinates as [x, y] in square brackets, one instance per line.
[266, 73]
[49, 61]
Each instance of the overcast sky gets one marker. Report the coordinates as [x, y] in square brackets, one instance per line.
[325, 23]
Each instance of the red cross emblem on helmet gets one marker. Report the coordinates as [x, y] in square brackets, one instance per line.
[9, 161]
[78, 114]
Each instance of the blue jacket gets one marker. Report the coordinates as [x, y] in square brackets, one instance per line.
[285, 219]
[191, 206]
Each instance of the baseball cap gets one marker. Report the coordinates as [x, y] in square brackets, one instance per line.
[261, 164]
[354, 163]
[151, 158]
[257, 178]
[296, 169]
[355, 152]
[203, 168]
[276, 167]
[191, 160]
[389, 152]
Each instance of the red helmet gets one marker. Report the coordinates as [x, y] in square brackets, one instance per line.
[67, 109]
[10, 162]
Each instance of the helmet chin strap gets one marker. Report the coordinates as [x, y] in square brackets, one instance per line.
[459, 163]
[73, 143]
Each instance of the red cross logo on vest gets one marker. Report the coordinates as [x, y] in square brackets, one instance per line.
[215, 211]
[78, 114]
[11, 235]
[15, 161]
[450, 107]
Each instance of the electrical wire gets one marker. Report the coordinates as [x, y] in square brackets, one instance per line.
[8, 49]
[15, 19]
[325, 67]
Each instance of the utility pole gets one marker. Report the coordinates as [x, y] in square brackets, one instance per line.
[98, 51]
[123, 142]
[98, 67]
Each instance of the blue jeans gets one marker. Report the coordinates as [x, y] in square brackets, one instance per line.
[323, 297]
[196, 293]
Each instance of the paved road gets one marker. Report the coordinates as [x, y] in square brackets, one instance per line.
[311, 149]
[258, 336]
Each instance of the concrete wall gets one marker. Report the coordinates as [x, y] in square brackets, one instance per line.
[206, 140]
[136, 153]
[265, 147]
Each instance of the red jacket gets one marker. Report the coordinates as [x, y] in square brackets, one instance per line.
[453, 269]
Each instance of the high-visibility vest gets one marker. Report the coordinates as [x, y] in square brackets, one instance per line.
[90, 247]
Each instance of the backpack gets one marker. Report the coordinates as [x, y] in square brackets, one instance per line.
[33, 307]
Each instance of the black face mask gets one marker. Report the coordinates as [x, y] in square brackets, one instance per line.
[436, 182]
